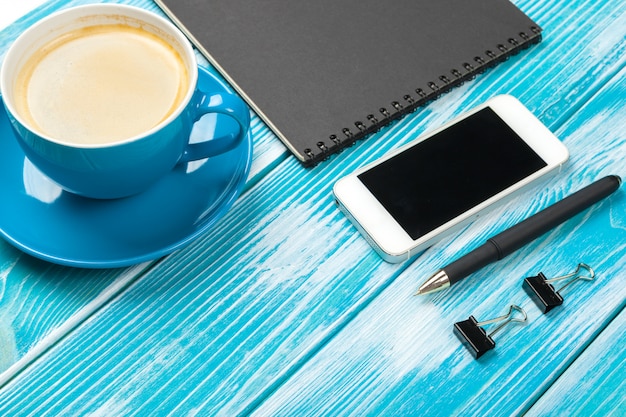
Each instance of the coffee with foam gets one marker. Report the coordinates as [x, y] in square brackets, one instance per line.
[101, 84]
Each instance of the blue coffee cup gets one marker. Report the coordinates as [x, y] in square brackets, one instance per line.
[128, 165]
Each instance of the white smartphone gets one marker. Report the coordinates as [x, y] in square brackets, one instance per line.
[432, 186]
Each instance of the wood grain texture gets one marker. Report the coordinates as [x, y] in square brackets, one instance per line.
[595, 384]
[400, 355]
[284, 308]
[40, 303]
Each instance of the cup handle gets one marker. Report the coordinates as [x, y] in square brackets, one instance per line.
[227, 104]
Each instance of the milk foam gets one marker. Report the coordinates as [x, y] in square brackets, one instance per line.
[101, 84]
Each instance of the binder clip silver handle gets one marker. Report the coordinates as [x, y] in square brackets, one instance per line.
[541, 291]
[476, 339]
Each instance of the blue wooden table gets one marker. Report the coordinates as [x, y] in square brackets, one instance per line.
[283, 308]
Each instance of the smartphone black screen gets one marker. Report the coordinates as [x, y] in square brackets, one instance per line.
[449, 173]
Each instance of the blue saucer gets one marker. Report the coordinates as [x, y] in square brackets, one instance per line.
[42, 220]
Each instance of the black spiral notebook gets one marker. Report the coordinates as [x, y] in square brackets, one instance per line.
[325, 73]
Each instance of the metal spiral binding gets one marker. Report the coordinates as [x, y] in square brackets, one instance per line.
[443, 84]
[322, 146]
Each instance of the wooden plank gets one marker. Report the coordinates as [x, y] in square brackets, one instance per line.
[224, 323]
[40, 303]
[594, 385]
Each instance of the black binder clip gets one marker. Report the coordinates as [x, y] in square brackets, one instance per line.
[541, 291]
[476, 339]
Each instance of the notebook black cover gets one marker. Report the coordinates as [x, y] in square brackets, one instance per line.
[324, 73]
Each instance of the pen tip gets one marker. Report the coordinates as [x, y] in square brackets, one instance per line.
[436, 282]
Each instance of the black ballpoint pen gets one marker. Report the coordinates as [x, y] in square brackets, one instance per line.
[505, 243]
